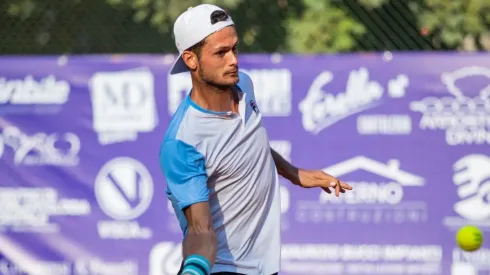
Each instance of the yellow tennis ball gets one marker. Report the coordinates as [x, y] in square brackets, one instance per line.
[469, 238]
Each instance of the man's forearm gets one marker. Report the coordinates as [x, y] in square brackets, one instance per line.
[201, 243]
[284, 168]
[199, 251]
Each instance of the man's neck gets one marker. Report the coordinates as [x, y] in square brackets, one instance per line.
[212, 98]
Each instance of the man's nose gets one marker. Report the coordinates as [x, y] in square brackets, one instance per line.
[233, 59]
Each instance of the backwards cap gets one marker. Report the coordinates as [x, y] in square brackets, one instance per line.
[193, 26]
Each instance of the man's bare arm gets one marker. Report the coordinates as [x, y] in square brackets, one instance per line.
[308, 178]
[285, 169]
[200, 238]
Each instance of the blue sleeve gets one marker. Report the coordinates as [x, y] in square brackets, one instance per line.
[245, 83]
[184, 170]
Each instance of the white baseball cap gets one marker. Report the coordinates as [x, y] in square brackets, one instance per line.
[191, 27]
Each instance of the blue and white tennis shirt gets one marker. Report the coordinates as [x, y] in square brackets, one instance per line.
[225, 158]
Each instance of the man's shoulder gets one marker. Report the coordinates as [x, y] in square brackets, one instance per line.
[177, 120]
[245, 82]
[177, 145]
[186, 127]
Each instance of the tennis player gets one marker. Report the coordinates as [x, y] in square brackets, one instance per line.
[222, 175]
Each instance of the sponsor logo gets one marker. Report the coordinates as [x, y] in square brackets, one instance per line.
[30, 95]
[53, 149]
[124, 191]
[470, 263]
[472, 181]
[346, 259]
[254, 106]
[35, 210]
[165, 258]
[96, 266]
[323, 107]
[123, 104]
[378, 195]
[464, 114]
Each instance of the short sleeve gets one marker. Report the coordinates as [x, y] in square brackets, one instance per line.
[245, 83]
[184, 170]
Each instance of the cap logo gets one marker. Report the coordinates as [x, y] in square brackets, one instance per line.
[218, 16]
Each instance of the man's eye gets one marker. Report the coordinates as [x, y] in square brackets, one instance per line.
[221, 53]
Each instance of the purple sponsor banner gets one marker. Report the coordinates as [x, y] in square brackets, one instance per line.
[81, 190]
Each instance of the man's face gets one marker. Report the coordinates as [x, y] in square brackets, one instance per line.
[218, 63]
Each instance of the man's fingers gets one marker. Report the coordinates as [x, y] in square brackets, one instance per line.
[339, 186]
[326, 189]
[345, 185]
[339, 182]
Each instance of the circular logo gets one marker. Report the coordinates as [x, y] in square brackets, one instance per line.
[165, 258]
[124, 188]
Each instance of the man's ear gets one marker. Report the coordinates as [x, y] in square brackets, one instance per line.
[190, 59]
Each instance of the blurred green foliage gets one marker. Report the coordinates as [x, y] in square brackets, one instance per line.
[297, 26]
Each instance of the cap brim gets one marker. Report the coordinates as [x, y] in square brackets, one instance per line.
[179, 66]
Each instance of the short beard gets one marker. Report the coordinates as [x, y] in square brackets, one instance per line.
[218, 87]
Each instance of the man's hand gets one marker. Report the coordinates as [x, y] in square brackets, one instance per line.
[318, 178]
[308, 178]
